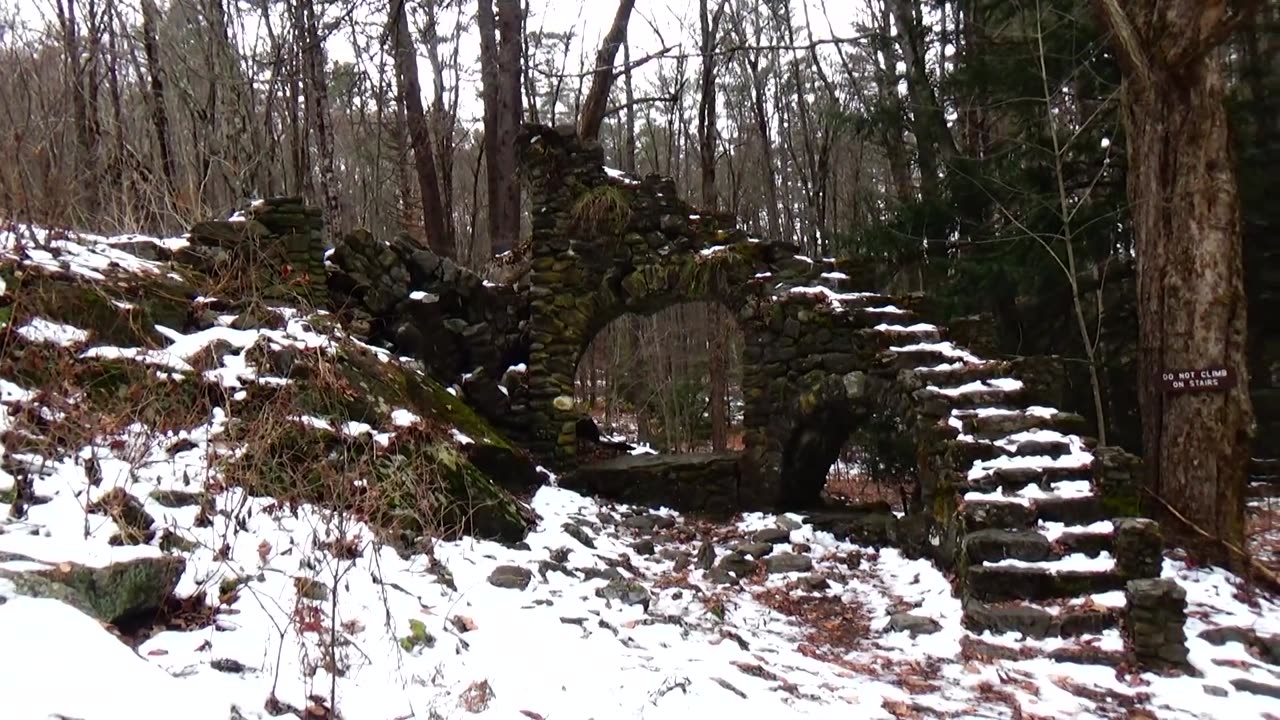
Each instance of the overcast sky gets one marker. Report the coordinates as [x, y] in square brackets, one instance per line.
[654, 24]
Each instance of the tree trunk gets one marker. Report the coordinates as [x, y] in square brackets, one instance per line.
[593, 108]
[159, 112]
[434, 222]
[318, 100]
[500, 79]
[1186, 216]
[934, 144]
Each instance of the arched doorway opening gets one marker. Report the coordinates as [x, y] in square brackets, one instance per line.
[669, 381]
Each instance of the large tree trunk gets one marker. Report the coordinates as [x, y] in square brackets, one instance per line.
[594, 107]
[1186, 216]
[434, 222]
[500, 79]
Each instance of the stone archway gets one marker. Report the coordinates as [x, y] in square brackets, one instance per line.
[606, 244]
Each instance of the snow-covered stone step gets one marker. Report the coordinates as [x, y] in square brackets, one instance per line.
[987, 512]
[953, 372]
[1087, 615]
[819, 293]
[997, 423]
[885, 336]
[1031, 545]
[915, 356]
[1063, 578]
[1036, 443]
[1021, 477]
[836, 280]
[1004, 393]
[1265, 469]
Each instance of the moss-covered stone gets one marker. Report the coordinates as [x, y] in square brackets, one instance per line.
[110, 594]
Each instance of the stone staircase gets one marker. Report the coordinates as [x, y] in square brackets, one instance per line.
[1036, 521]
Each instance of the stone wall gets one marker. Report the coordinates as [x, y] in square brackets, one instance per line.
[465, 330]
[820, 360]
[606, 244]
[273, 248]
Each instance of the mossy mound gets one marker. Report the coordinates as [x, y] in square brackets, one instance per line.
[313, 415]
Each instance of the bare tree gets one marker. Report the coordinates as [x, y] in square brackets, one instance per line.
[500, 49]
[435, 223]
[597, 101]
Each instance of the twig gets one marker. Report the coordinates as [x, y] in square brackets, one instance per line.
[1267, 576]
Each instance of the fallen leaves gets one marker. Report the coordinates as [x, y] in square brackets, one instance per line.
[476, 698]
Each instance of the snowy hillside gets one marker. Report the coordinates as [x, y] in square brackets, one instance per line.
[147, 572]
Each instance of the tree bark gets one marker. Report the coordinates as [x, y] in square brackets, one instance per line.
[593, 108]
[500, 48]
[434, 222]
[318, 100]
[934, 143]
[159, 112]
[1186, 216]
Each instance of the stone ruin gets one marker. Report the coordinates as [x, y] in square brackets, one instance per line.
[1038, 525]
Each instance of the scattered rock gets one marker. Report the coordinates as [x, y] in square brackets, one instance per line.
[126, 511]
[815, 582]
[914, 624]
[643, 547]
[754, 549]
[178, 498]
[706, 557]
[789, 523]
[788, 562]
[627, 592]
[550, 566]
[1256, 688]
[643, 523]
[227, 665]
[110, 594]
[1215, 691]
[578, 533]
[311, 589]
[772, 536]
[511, 577]
[610, 574]
[736, 564]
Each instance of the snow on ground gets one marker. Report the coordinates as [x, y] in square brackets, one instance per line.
[602, 612]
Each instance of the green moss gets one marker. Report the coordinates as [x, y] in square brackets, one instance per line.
[418, 637]
[123, 314]
[1116, 505]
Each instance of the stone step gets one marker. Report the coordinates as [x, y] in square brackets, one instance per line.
[1003, 514]
[960, 374]
[937, 401]
[1038, 622]
[872, 316]
[995, 544]
[1263, 489]
[895, 334]
[1269, 468]
[912, 356]
[1021, 477]
[996, 425]
[997, 583]
[967, 452]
